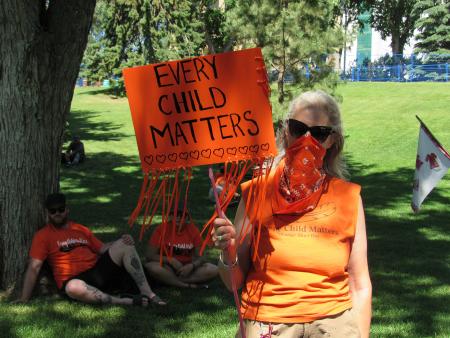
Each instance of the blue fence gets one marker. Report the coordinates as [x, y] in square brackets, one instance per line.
[401, 68]
[399, 73]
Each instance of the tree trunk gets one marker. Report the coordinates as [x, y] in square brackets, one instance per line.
[395, 44]
[41, 46]
[280, 84]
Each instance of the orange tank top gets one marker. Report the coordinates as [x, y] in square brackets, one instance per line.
[300, 274]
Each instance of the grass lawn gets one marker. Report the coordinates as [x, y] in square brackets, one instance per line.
[409, 255]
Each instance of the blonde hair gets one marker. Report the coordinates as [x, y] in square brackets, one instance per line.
[319, 101]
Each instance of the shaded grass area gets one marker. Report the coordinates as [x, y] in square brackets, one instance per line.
[409, 254]
[60, 318]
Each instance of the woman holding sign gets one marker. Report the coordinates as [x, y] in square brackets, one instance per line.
[307, 274]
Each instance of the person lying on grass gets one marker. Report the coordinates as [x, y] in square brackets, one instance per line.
[185, 268]
[82, 265]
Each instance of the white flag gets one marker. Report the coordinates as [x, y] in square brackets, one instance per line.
[432, 163]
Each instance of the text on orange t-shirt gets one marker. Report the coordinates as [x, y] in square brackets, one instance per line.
[300, 274]
[69, 251]
[184, 243]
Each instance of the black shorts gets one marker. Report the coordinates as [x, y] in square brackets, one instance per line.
[106, 276]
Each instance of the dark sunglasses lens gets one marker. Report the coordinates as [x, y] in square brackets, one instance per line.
[320, 133]
[297, 128]
[53, 211]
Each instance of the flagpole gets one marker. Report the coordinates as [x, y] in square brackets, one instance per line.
[433, 139]
[432, 163]
[233, 282]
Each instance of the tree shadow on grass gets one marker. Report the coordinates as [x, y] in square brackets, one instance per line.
[64, 318]
[408, 254]
[104, 190]
[189, 313]
[82, 124]
[8, 327]
[113, 91]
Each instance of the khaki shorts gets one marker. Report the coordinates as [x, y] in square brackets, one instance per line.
[342, 325]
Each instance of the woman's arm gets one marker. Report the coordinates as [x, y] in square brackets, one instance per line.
[153, 255]
[358, 269]
[226, 237]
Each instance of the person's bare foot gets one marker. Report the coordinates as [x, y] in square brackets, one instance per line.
[134, 300]
[198, 286]
[156, 300]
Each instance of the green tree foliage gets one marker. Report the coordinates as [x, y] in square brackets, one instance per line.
[394, 18]
[296, 37]
[217, 29]
[434, 37]
[350, 11]
[433, 26]
[135, 32]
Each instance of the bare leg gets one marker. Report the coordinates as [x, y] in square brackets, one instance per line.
[202, 274]
[79, 290]
[164, 274]
[126, 256]
[76, 158]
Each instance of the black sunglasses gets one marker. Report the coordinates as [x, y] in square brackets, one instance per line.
[298, 128]
[53, 211]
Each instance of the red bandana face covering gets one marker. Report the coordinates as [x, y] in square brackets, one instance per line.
[299, 178]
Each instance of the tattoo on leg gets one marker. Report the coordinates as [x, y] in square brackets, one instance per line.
[99, 296]
[138, 275]
[135, 262]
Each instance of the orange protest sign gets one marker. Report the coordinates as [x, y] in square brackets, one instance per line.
[202, 110]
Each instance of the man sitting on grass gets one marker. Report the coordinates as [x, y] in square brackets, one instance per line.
[185, 269]
[75, 152]
[82, 265]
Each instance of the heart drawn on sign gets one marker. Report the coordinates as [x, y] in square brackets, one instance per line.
[195, 154]
[161, 158]
[243, 150]
[184, 155]
[265, 146]
[254, 148]
[172, 157]
[148, 159]
[231, 151]
[206, 153]
[218, 152]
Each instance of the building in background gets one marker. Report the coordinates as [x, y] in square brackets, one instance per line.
[368, 45]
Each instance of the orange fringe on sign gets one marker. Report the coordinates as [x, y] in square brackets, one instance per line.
[257, 192]
[167, 191]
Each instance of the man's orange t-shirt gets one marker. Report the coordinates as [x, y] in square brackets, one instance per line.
[184, 243]
[301, 274]
[69, 251]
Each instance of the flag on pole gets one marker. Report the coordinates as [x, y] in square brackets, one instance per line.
[432, 163]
